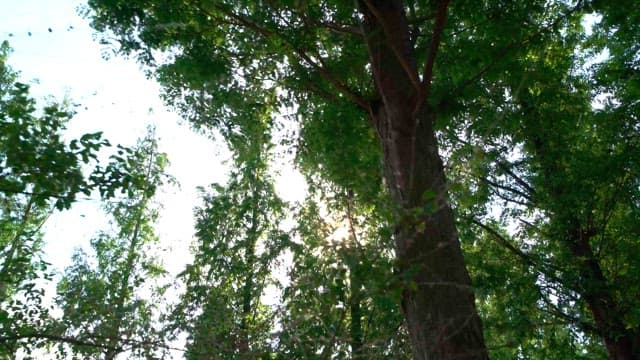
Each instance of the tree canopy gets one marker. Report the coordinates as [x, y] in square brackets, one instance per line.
[473, 172]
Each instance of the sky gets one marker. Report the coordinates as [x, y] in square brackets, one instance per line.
[55, 52]
[115, 97]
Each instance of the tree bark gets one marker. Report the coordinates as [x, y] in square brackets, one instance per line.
[621, 343]
[591, 282]
[438, 300]
[355, 312]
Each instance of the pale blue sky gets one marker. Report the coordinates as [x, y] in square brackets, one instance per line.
[116, 98]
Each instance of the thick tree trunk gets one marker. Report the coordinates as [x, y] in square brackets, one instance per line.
[438, 301]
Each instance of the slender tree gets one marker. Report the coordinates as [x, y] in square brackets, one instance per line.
[239, 241]
[40, 172]
[101, 296]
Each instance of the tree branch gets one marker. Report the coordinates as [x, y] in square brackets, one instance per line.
[131, 344]
[409, 70]
[57, 338]
[507, 188]
[508, 199]
[505, 243]
[554, 310]
[340, 29]
[295, 51]
[516, 44]
[539, 266]
[518, 179]
[427, 74]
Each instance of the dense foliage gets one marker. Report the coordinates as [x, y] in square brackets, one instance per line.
[39, 172]
[504, 132]
[100, 294]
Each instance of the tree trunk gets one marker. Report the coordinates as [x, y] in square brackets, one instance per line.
[248, 291]
[621, 343]
[591, 283]
[355, 312]
[438, 301]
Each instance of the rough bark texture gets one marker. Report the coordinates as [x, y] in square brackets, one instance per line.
[438, 301]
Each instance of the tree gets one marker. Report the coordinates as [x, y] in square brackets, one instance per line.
[313, 52]
[39, 173]
[570, 187]
[342, 298]
[239, 241]
[104, 308]
[375, 82]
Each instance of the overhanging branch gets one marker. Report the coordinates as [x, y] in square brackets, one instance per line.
[57, 338]
[293, 51]
[515, 45]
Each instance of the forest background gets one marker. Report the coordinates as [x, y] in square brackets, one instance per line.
[529, 110]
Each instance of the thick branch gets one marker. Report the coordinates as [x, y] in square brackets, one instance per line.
[402, 60]
[295, 51]
[427, 75]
